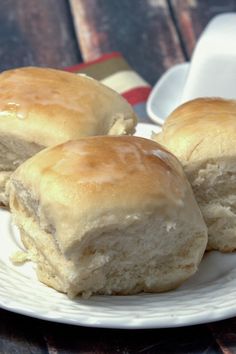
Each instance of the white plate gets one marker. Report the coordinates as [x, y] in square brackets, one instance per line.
[146, 130]
[208, 296]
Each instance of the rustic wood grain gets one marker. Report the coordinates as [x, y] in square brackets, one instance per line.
[23, 335]
[37, 33]
[72, 339]
[20, 334]
[141, 30]
[224, 333]
[192, 16]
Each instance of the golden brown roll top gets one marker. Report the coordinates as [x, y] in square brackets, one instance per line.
[200, 129]
[42, 107]
[202, 134]
[116, 213]
[87, 179]
[48, 106]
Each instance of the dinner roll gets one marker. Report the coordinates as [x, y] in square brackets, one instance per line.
[108, 215]
[202, 134]
[42, 107]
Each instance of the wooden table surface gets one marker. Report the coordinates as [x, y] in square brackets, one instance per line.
[153, 35]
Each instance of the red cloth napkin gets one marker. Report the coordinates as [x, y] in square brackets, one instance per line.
[113, 70]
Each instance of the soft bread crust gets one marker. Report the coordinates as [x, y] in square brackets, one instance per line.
[43, 107]
[201, 129]
[48, 106]
[108, 215]
[202, 134]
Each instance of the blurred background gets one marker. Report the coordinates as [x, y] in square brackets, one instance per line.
[152, 35]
